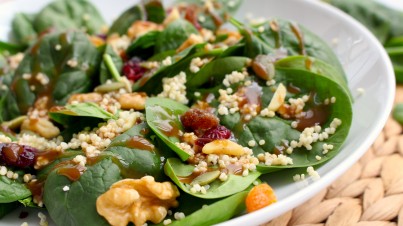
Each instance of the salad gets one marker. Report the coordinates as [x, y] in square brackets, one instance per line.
[163, 117]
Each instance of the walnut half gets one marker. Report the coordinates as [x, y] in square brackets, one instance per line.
[137, 201]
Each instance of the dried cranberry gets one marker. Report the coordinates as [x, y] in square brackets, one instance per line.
[196, 119]
[217, 133]
[21, 156]
[133, 70]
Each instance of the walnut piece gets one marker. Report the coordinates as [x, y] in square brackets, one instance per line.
[136, 101]
[223, 147]
[41, 126]
[85, 97]
[140, 28]
[137, 201]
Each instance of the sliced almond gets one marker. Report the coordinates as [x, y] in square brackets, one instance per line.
[223, 147]
[278, 98]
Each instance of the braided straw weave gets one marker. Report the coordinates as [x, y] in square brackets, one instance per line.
[370, 193]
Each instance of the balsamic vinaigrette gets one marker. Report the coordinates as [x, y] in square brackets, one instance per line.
[166, 122]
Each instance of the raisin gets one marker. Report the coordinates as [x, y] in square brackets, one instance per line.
[196, 119]
[133, 70]
[21, 156]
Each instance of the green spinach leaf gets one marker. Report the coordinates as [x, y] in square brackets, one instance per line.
[69, 114]
[174, 35]
[124, 21]
[297, 40]
[212, 213]
[6, 208]
[144, 45]
[398, 113]
[63, 15]
[395, 50]
[315, 66]
[384, 22]
[162, 116]
[23, 31]
[176, 169]
[216, 70]
[137, 153]
[62, 205]
[65, 71]
[275, 130]
[12, 190]
[10, 48]
[155, 11]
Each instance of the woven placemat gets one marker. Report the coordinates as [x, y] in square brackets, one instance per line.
[370, 193]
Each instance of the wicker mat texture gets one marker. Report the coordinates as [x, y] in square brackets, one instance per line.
[370, 193]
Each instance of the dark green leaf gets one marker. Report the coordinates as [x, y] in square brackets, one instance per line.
[275, 130]
[176, 169]
[63, 205]
[64, 79]
[398, 113]
[163, 117]
[383, 21]
[153, 83]
[8, 104]
[294, 38]
[395, 50]
[155, 11]
[137, 153]
[216, 16]
[214, 213]
[10, 48]
[63, 15]
[144, 45]
[124, 21]
[216, 71]
[6, 208]
[12, 190]
[174, 35]
[23, 31]
[70, 114]
[315, 66]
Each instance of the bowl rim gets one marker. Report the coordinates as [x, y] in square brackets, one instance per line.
[296, 199]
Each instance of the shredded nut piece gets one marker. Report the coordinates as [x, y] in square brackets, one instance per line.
[172, 16]
[137, 201]
[85, 97]
[278, 98]
[134, 101]
[192, 40]
[139, 28]
[41, 126]
[224, 147]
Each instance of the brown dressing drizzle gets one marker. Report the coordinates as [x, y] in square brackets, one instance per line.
[36, 188]
[141, 143]
[317, 115]
[165, 122]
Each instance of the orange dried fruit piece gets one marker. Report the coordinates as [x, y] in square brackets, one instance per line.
[260, 196]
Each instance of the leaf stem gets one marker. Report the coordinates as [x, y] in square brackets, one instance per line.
[111, 67]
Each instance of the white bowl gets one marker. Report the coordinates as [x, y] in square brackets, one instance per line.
[363, 58]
